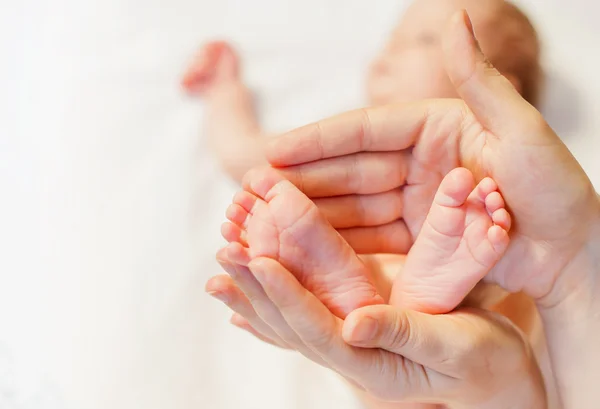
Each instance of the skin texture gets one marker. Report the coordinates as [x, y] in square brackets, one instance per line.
[421, 52]
[469, 358]
[432, 137]
[272, 218]
[555, 248]
[463, 237]
[410, 67]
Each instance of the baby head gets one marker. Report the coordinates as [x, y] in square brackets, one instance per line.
[411, 66]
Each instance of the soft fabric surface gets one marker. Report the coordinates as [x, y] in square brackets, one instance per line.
[111, 205]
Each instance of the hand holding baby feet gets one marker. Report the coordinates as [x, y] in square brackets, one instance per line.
[463, 237]
[273, 219]
[215, 64]
[467, 359]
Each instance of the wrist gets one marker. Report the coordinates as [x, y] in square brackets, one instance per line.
[574, 296]
[572, 328]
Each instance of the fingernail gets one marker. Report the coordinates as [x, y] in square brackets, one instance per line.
[219, 296]
[365, 330]
[228, 267]
[468, 22]
[469, 25]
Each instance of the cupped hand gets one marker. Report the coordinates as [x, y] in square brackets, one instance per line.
[466, 359]
[352, 163]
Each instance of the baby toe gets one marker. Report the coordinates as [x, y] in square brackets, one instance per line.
[264, 182]
[494, 201]
[455, 188]
[502, 218]
[483, 189]
[498, 238]
[246, 200]
[237, 214]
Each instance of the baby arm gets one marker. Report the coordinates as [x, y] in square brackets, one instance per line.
[231, 124]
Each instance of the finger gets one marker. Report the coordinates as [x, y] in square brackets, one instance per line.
[492, 97]
[238, 254]
[362, 210]
[224, 288]
[363, 173]
[388, 128]
[241, 322]
[431, 340]
[321, 331]
[264, 307]
[391, 238]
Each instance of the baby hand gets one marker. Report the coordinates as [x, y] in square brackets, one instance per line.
[215, 63]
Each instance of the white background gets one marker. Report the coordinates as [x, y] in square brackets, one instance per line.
[110, 205]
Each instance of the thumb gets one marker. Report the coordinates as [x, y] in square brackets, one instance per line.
[490, 96]
[422, 338]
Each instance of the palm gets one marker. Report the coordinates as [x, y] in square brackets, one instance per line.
[522, 170]
[494, 132]
[544, 237]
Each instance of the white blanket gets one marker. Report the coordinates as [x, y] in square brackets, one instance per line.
[111, 205]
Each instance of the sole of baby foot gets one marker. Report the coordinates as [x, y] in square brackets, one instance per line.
[465, 234]
[277, 221]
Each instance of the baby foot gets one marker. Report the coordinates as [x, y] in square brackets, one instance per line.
[463, 237]
[273, 219]
[215, 64]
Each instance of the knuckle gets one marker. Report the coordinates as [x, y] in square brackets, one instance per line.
[361, 211]
[364, 135]
[319, 135]
[352, 174]
[399, 333]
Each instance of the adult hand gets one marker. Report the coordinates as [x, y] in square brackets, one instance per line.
[466, 359]
[353, 163]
